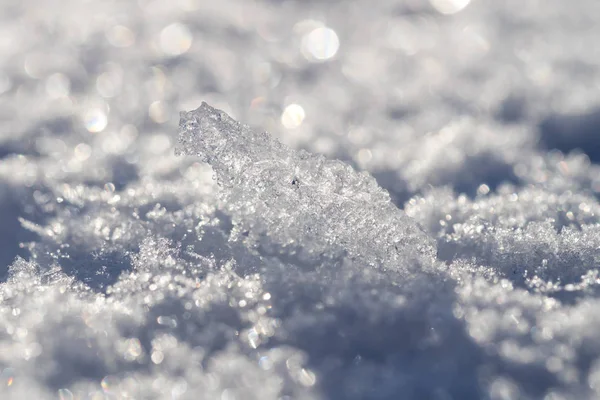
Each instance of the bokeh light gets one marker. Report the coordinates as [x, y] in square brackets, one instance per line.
[158, 112]
[449, 6]
[320, 44]
[120, 36]
[95, 120]
[83, 151]
[175, 39]
[293, 116]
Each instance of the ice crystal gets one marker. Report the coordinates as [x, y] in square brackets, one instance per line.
[295, 202]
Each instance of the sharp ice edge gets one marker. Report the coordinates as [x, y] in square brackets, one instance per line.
[294, 201]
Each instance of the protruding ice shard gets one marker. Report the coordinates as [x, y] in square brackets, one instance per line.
[294, 202]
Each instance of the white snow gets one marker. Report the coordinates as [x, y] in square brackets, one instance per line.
[299, 204]
[452, 252]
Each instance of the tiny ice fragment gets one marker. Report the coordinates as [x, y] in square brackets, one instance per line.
[295, 202]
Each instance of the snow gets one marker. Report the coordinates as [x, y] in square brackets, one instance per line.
[310, 208]
[421, 220]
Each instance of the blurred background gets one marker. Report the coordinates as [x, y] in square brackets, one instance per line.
[469, 94]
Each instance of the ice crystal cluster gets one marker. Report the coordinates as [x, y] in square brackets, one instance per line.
[309, 207]
[422, 220]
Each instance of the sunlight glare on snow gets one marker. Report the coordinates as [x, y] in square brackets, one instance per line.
[82, 151]
[364, 156]
[158, 112]
[293, 116]
[95, 120]
[320, 44]
[449, 6]
[175, 39]
[120, 36]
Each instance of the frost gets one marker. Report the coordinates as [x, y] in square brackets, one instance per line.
[292, 201]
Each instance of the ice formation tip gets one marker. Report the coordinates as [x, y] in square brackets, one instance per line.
[297, 203]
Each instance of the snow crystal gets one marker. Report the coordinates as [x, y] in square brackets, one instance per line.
[295, 202]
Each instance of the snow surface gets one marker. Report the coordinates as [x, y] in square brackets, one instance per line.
[452, 253]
